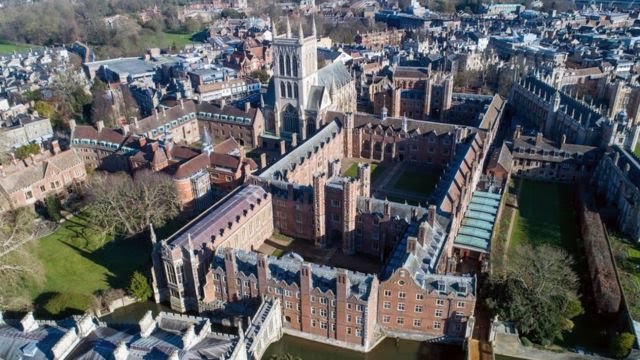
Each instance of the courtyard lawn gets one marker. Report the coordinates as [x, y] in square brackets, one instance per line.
[637, 150]
[80, 260]
[417, 181]
[376, 171]
[9, 48]
[545, 216]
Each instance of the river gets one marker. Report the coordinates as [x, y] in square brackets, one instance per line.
[387, 349]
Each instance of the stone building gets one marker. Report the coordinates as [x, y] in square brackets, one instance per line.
[181, 262]
[179, 121]
[223, 121]
[617, 180]
[555, 113]
[418, 93]
[23, 183]
[25, 129]
[299, 94]
[539, 158]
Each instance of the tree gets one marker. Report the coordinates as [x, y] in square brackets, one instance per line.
[27, 150]
[622, 345]
[261, 75]
[53, 207]
[126, 205]
[538, 280]
[18, 266]
[139, 286]
[44, 109]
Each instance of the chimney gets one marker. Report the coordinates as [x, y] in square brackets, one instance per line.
[411, 245]
[294, 140]
[223, 103]
[247, 107]
[431, 215]
[135, 121]
[72, 124]
[126, 129]
[243, 152]
[147, 324]
[99, 125]
[55, 147]
[283, 147]
[164, 111]
[181, 104]
[14, 161]
[33, 159]
[563, 140]
[155, 113]
[517, 133]
[538, 138]
[121, 352]
[263, 160]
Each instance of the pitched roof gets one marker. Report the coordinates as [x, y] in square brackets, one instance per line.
[162, 117]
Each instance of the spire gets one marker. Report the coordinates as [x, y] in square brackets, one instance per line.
[274, 29]
[300, 33]
[205, 140]
[152, 234]
[288, 28]
[313, 26]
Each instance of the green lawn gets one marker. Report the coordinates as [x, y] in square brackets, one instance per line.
[376, 171]
[9, 48]
[637, 150]
[545, 216]
[417, 181]
[179, 39]
[81, 260]
[627, 254]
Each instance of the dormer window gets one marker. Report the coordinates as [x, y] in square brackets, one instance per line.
[441, 286]
[463, 288]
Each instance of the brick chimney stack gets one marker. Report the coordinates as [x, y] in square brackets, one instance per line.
[55, 147]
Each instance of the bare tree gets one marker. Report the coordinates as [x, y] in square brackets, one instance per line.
[128, 205]
[18, 265]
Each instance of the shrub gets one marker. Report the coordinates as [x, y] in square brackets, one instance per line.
[25, 151]
[525, 341]
[622, 345]
[139, 286]
[53, 207]
[65, 304]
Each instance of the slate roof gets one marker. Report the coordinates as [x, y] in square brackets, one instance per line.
[218, 217]
[233, 115]
[337, 72]
[163, 117]
[33, 345]
[413, 126]
[279, 170]
[287, 269]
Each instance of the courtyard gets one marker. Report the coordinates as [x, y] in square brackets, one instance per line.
[545, 215]
[401, 182]
[279, 245]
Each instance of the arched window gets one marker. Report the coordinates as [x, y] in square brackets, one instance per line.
[289, 90]
[295, 91]
[288, 66]
[282, 90]
[281, 62]
[290, 117]
[295, 65]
